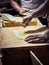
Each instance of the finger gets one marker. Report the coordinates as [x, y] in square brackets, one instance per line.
[26, 19]
[33, 40]
[30, 37]
[37, 41]
[25, 22]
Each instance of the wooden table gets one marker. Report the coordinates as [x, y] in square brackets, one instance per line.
[8, 39]
[16, 51]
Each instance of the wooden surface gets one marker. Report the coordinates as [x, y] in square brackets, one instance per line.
[22, 32]
[18, 22]
[8, 39]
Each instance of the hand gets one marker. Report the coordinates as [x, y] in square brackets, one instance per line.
[23, 12]
[26, 19]
[36, 39]
[3, 9]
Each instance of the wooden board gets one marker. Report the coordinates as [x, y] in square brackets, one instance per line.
[18, 22]
[9, 39]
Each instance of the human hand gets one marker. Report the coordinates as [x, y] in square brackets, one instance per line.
[36, 39]
[3, 9]
[23, 12]
[26, 19]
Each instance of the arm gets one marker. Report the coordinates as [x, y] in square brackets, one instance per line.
[35, 12]
[40, 11]
[15, 6]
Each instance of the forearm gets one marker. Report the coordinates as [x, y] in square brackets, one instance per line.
[36, 12]
[15, 5]
[40, 10]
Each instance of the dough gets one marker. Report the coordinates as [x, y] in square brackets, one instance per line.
[22, 32]
[8, 17]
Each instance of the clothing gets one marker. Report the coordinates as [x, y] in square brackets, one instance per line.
[37, 11]
[31, 4]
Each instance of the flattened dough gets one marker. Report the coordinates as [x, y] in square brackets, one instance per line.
[22, 32]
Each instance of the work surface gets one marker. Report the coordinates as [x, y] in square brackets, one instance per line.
[9, 39]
